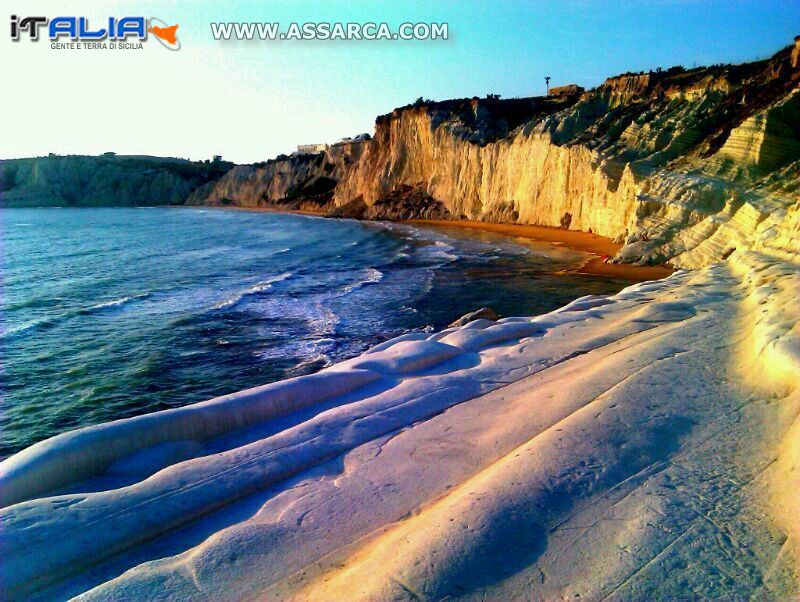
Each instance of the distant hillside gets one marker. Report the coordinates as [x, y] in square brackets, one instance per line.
[106, 180]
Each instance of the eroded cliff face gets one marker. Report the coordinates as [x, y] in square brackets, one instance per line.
[303, 181]
[522, 178]
[679, 165]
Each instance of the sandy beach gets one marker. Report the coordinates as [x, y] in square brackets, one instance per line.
[594, 244]
[572, 239]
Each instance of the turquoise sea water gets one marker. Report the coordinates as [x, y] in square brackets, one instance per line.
[109, 313]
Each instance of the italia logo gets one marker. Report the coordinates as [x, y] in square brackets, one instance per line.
[166, 34]
[78, 29]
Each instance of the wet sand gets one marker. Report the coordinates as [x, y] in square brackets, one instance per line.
[596, 245]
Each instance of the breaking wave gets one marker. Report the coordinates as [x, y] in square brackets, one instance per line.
[115, 302]
[49, 321]
[258, 287]
[373, 276]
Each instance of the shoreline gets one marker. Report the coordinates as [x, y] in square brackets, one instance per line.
[595, 245]
[258, 209]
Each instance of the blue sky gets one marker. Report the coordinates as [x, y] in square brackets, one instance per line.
[252, 100]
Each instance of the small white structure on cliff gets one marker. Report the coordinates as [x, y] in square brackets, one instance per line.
[311, 148]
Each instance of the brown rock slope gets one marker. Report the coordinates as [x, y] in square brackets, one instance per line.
[299, 182]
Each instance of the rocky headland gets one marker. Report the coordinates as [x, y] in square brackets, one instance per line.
[103, 181]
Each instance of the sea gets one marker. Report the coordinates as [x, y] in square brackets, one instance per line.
[107, 313]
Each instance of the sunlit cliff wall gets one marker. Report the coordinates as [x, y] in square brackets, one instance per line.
[681, 165]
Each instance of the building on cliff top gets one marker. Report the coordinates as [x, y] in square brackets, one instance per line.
[567, 90]
[311, 149]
